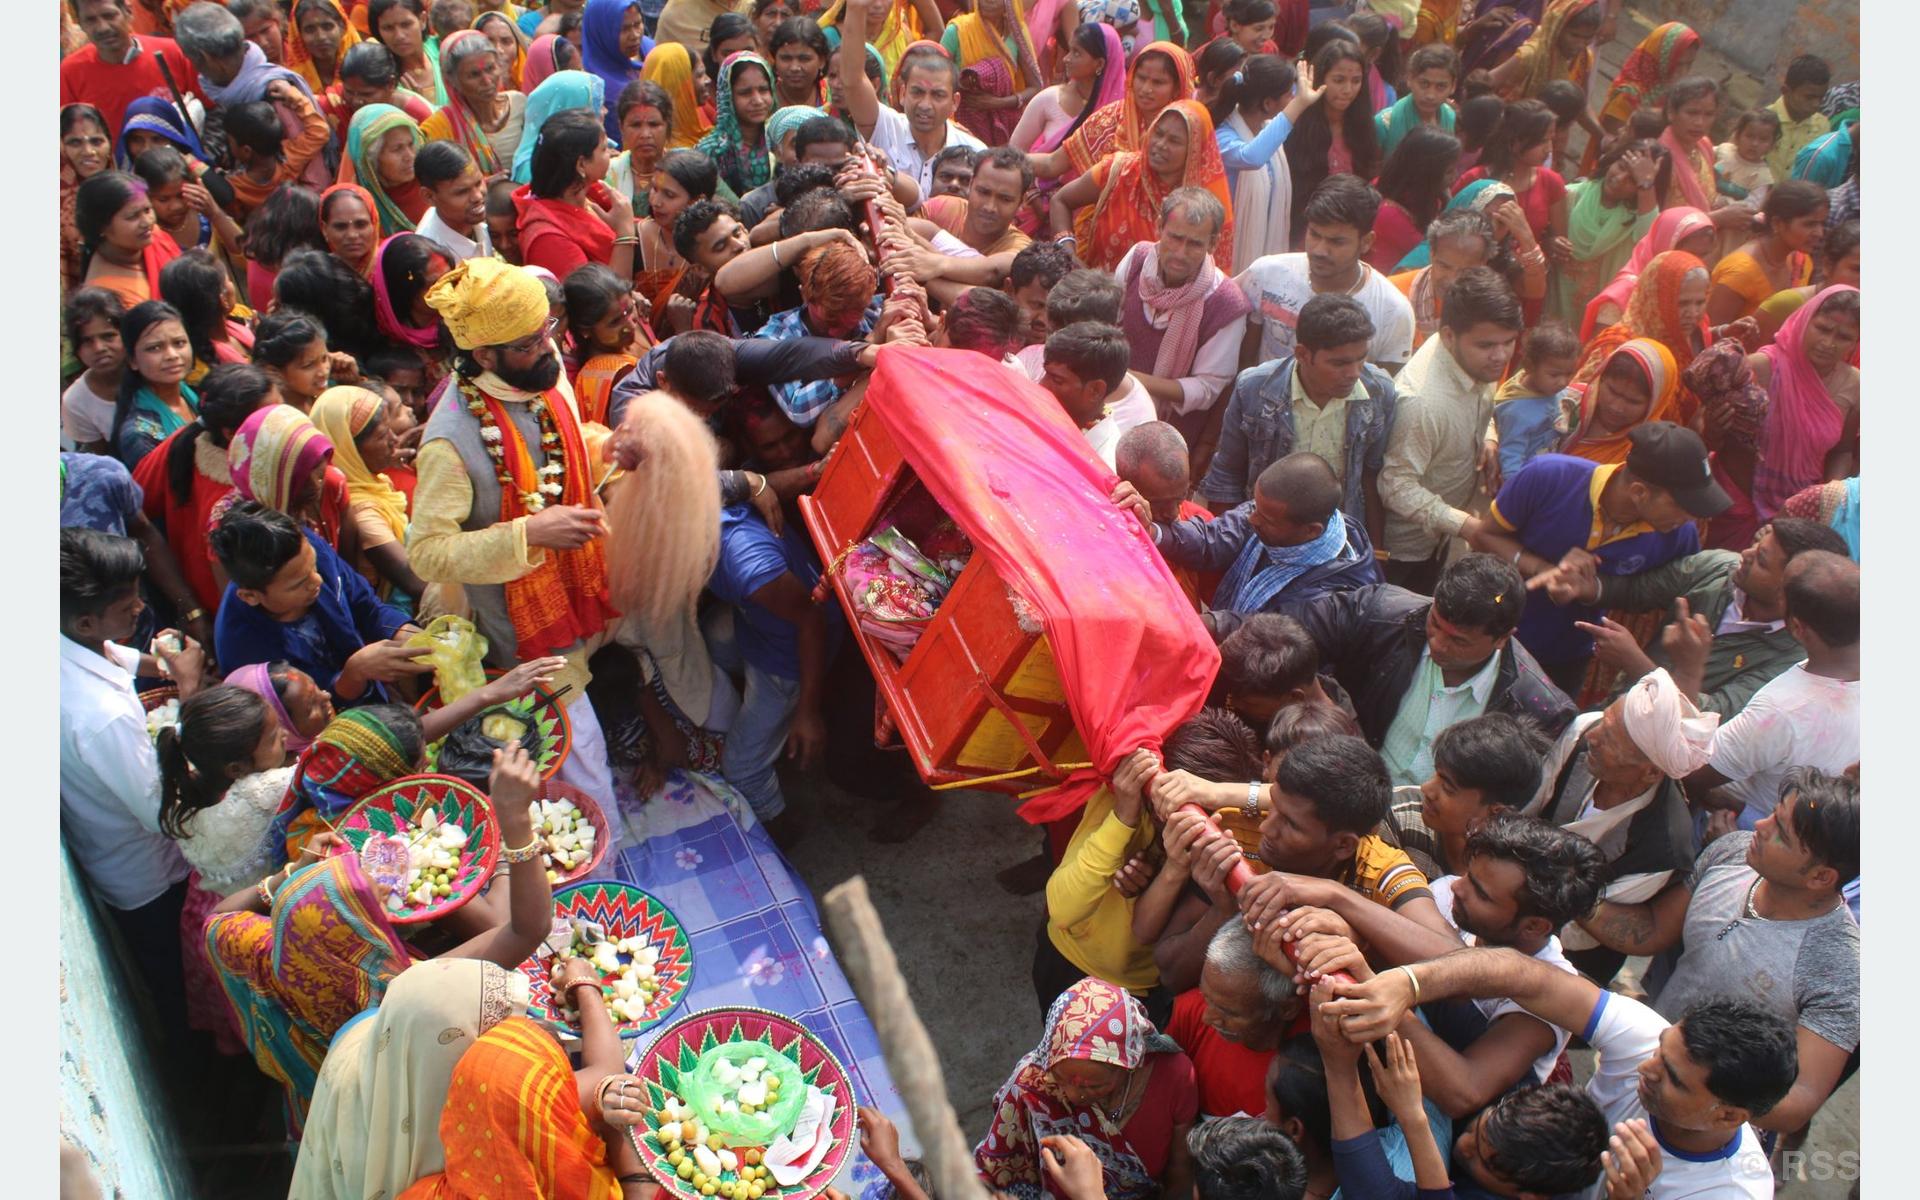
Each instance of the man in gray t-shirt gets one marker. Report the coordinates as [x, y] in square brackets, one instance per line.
[1765, 921]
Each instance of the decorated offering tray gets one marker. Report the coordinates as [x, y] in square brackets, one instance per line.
[744, 1104]
[642, 955]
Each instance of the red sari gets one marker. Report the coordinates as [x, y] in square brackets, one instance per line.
[560, 236]
[184, 520]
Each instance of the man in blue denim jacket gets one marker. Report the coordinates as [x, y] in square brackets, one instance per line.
[1326, 399]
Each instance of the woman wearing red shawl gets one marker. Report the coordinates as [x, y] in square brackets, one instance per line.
[565, 210]
[1636, 383]
[1812, 428]
[1662, 56]
[185, 477]
[405, 266]
[1686, 229]
[1101, 1073]
[1668, 306]
[1160, 74]
[1116, 205]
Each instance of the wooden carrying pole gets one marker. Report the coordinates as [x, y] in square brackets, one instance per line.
[868, 960]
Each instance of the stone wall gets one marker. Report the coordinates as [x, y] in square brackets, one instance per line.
[1762, 36]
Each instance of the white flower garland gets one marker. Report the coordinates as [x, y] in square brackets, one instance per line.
[552, 476]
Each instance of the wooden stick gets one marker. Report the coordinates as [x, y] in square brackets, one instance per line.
[868, 960]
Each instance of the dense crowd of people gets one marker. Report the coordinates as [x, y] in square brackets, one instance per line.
[1500, 424]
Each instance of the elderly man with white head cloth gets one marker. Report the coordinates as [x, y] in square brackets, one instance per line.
[506, 505]
[1614, 777]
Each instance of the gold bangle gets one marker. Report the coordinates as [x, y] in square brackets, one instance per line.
[512, 855]
[266, 894]
[1413, 979]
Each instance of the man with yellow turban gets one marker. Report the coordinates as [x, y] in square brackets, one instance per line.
[1614, 778]
[505, 505]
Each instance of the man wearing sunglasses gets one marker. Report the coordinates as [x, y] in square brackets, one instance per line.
[506, 507]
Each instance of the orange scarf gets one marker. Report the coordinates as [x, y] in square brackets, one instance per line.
[563, 600]
[513, 1125]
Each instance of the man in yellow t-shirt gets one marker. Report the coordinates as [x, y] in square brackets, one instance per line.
[1801, 93]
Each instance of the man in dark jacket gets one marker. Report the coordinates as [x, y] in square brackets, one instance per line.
[1414, 665]
[1288, 544]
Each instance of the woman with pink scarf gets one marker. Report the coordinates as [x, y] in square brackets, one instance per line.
[1688, 229]
[1812, 427]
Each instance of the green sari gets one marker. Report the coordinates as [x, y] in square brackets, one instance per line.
[1603, 238]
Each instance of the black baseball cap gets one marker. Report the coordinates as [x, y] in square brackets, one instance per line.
[1673, 457]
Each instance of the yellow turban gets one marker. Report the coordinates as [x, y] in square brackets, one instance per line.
[486, 302]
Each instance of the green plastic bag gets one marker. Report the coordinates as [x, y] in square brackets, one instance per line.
[456, 649]
[704, 1092]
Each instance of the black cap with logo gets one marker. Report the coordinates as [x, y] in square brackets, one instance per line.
[1673, 457]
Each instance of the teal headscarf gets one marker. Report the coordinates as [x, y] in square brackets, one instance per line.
[562, 91]
[785, 121]
[364, 134]
[1392, 124]
[743, 167]
[1474, 195]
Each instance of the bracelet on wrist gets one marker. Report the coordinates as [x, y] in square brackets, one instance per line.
[513, 855]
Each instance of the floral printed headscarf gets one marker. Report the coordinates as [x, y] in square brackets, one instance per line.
[1092, 1021]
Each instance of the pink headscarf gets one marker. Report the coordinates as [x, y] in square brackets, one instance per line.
[422, 337]
[274, 450]
[258, 679]
[1108, 88]
[1668, 229]
[1803, 422]
[540, 62]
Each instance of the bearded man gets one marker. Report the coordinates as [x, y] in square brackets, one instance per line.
[506, 505]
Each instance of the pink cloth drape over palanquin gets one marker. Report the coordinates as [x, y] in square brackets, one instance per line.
[1000, 456]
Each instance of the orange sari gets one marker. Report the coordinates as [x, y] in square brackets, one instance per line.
[1128, 210]
[1120, 125]
[513, 1126]
[1653, 312]
[1663, 386]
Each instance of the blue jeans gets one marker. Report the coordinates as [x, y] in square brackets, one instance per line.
[759, 729]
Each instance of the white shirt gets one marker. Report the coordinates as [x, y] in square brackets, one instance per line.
[952, 246]
[1798, 719]
[895, 138]
[1130, 407]
[1278, 288]
[110, 779]
[1494, 1009]
[459, 245]
[1215, 361]
[1624, 1033]
[1734, 620]
[85, 415]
